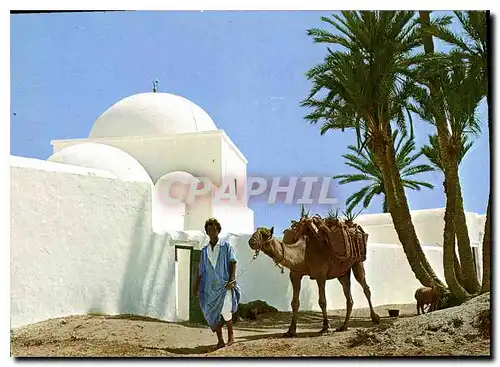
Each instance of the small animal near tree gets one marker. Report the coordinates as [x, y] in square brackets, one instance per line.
[427, 296]
[313, 255]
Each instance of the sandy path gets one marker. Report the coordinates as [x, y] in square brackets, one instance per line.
[109, 336]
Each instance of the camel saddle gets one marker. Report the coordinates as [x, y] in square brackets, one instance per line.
[346, 239]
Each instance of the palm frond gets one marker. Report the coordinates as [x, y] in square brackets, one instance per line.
[416, 185]
[352, 178]
[432, 151]
[413, 170]
[353, 200]
[365, 75]
[368, 197]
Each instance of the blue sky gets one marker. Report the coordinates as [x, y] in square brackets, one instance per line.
[246, 69]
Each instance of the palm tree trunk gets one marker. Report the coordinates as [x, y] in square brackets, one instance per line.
[405, 211]
[469, 280]
[449, 253]
[486, 250]
[456, 263]
[450, 169]
[384, 205]
[458, 269]
[403, 225]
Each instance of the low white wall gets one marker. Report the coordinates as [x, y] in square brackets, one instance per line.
[475, 225]
[429, 225]
[34, 163]
[87, 249]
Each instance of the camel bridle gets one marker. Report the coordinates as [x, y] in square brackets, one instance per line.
[259, 240]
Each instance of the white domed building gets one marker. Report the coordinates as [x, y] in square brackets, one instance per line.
[93, 229]
[152, 115]
[95, 218]
[150, 137]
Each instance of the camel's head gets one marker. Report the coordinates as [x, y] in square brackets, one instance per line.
[260, 239]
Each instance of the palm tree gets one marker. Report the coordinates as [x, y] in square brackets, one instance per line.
[472, 49]
[366, 85]
[363, 161]
[454, 94]
[431, 151]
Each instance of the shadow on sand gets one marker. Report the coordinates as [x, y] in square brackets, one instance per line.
[135, 318]
[204, 349]
[274, 325]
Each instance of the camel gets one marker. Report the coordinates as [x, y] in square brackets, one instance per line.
[304, 256]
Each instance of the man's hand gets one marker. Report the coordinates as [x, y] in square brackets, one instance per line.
[230, 284]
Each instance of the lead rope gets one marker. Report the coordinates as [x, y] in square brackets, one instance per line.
[282, 258]
[255, 257]
[276, 263]
[246, 267]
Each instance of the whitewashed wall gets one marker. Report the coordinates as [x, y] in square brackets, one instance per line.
[239, 219]
[83, 244]
[234, 165]
[199, 153]
[429, 225]
[475, 225]
[207, 154]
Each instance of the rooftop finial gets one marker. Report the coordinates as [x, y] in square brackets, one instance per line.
[155, 86]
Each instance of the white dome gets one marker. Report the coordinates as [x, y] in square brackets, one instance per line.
[151, 114]
[175, 185]
[104, 157]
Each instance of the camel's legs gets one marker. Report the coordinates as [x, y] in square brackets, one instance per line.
[296, 279]
[359, 273]
[345, 280]
[421, 308]
[433, 306]
[322, 303]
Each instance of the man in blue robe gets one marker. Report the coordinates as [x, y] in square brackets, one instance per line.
[215, 285]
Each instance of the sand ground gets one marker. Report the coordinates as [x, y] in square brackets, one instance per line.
[452, 332]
